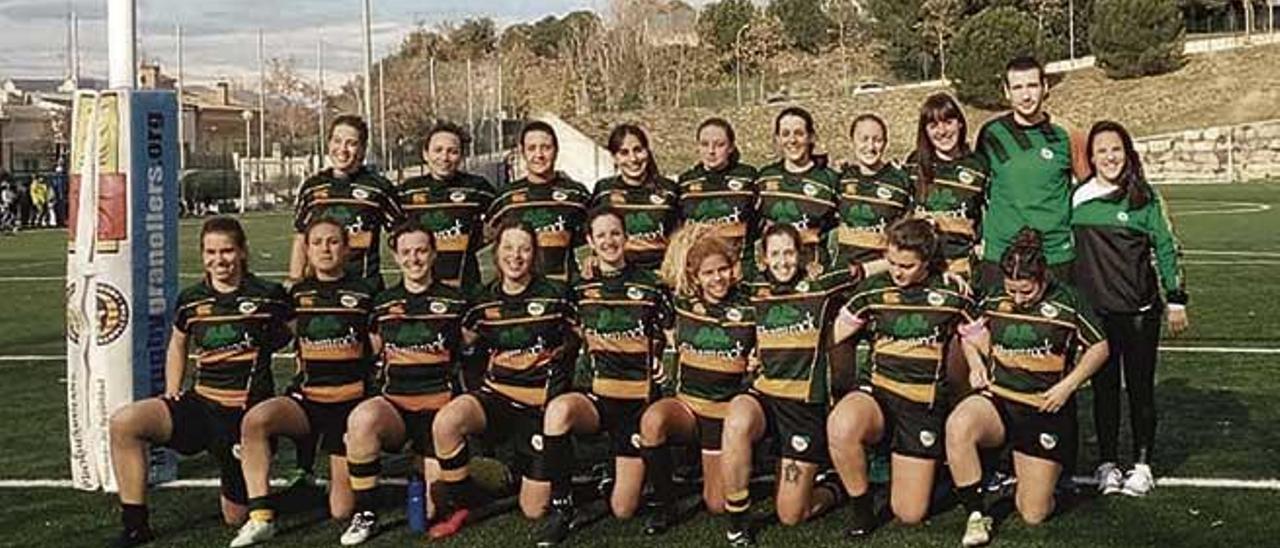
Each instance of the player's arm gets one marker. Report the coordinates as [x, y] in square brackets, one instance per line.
[847, 324]
[175, 363]
[975, 342]
[1092, 360]
[1167, 254]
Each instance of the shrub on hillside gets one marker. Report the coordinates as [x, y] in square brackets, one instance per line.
[984, 44]
[1133, 38]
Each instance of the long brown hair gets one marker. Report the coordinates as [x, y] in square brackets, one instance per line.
[689, 246]
[938, 107]
[229, 227]
[920, 237]
[535, 265]
[1132, 180]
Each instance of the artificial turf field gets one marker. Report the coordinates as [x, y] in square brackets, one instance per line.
[1217, 402]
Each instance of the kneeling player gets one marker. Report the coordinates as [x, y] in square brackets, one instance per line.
[911, 314]
[415, 331]
[232, 321]
[331, 328]
[526, 322]
[1020, 351]
[623, 311]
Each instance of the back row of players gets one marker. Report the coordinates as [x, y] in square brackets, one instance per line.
[760, 280]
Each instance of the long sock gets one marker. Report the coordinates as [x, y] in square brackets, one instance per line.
[458, 489]
[364, 483]
[260, 509]
[557, 452]
[863, 517]
[133, 516]
[971, 498]
[738, 506]
[657, 468]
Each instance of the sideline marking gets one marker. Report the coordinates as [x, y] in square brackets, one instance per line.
[1233, 208]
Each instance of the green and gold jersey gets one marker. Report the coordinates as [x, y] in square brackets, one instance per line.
[623, 315]
[725, 199]
[790, 321]
[649, 213]
[556, 210]
[364, 203]
[1034, 346]
[233, 336]
[806, 201]
[868, 205]
[453, 210]
[420, 340]
[332, 334]
[911, 329]
[714, 344]
[528, 338]
[954, 201]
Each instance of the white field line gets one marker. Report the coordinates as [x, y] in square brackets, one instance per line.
[1232, 263]
[1232, 208]
[1231, 253]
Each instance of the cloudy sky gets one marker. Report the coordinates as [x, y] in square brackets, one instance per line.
[220, 35]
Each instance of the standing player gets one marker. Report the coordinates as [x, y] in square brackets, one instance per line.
[715, 345]
[526, 322]
[232, 321]
[623, 309]
[911, 315]
[720, 190]
[415, 331]
[1121, 225]
[1020, 351]
[451, 205]
[331, 327]
[873, 194]
[645, 199]
[949, 180]
[547, 200]
[799, 189]
[788, 400]
[1032, 161]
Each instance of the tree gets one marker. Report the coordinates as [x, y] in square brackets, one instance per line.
[292, 107]
[719, 23]
[804, 25]
[984, 44]
[897, 26]
[1134, 38]
[939, 21]
[762, 41]
[475, 38]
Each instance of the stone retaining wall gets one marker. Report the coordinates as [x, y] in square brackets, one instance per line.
[1247, 152]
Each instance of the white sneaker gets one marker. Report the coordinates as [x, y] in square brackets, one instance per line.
[977, 532]
[1139, 482]
[1109, 478]
[254, 532]
[363, 525]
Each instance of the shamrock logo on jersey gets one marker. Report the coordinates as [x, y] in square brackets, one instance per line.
[911, 326]
[712, 338]
[612, 321]
[538, 218]
[1018, 336]
[516, 337]
[435, 221]
[712, 209]
[324, 327]
[782, 316]
[221, 335]
[941, 199]
[860, 215]
[413, 333]
[786, 212]
[638, 223]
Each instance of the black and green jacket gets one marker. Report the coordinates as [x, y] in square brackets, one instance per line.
[649, 213]
[1126, 256]
[453, 210]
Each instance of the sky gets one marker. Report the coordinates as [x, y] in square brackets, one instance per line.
[220, 36]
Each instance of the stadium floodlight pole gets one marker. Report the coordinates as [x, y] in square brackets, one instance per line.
[471, 114]
[262, 107]
[122, 33]
[1071, 28]
[182, 136]
[248, 152]
[320, 94]
[382, 111]
[75, 48]
[368, 63]
[737, 60]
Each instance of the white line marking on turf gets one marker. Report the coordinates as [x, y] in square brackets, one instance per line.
[184, 275]
[1241, 253]
[1233, 208]
[1232, 263]
[1209, 483]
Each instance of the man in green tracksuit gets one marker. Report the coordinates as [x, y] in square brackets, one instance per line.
[1032, 163]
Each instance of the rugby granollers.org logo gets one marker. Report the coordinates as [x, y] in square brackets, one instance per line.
[113, 315]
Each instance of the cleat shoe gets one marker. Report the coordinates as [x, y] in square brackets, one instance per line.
[450, 525]
[741, 537]
[1109, 478]
[555, 526]
[1139, 481]
[253, 532]
[363, 526]
[998, 483]
[658, 522]
[134, 537]
[977, 532]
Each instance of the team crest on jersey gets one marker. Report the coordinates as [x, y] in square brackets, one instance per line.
[810, 190]
[248, 307]
[656, 199]
[884, 193]
[536, 309]
[536, 442]
[1048, 441]
[360, 194]
[803, 286]
[800, 443]
[734, 315]
[457, 196]
[438, 307]
[699, 309]
[635, 440]
[634, 293]
[349, 301]
[559, 196]
[936, 299]
[966, 177]
[735, 185]
[1122, 216]
[1048, 310]
[1046, 153]
[928, 438]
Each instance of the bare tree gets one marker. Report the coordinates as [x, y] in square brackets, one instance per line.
[941, 18]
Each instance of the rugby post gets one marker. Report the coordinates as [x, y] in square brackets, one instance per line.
[121, 256]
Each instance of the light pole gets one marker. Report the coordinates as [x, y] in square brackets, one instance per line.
[248, 148]
[1071, 28]
[737, 60]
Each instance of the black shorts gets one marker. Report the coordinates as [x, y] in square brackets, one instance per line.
[328, 422]
[508, 420]
[913, 429]
[417, 430]
[200, 424]
[621, 419]
[798, 429]
[1031, 432]
[709, 431]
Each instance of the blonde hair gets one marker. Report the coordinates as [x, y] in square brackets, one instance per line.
[689, 246]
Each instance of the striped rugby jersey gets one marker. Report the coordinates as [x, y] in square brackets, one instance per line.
[791, 319]
[649, 212]
[453, 210]
[723, 198]
[623, 315]
[420, 335]
[954, 202]
[806, 201]
[363, 203]
[332, 335]
[868, 205]
[529, 338]
[714, 343]
[556, 210]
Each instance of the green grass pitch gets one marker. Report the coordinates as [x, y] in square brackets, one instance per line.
[1218, 417]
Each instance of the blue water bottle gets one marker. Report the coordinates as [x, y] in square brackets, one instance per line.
[415, 504]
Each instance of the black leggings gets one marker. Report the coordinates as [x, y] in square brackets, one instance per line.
[1133, 339]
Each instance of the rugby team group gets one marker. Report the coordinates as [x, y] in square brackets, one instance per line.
[986, 283]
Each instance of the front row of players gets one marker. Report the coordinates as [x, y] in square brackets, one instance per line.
[751, 366]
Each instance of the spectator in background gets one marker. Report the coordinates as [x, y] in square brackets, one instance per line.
[40, 194]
